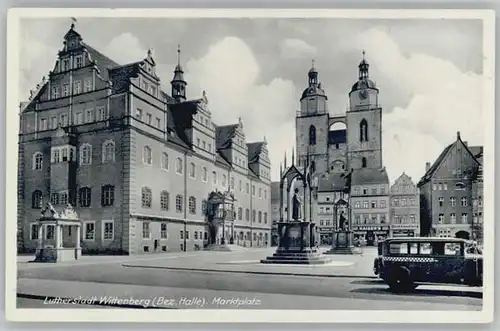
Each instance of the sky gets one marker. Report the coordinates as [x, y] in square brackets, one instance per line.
[429, 72]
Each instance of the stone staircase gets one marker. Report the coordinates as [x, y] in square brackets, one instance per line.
[287, 257]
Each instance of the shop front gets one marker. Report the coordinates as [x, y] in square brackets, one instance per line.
[405, 230]
[370, 234]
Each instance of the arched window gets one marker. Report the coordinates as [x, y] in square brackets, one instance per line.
[146, 197]
[247, 214]
[36, 199]
[147, 155]
[363, 162]
[240, 213]
[37, 161]
[192, 205]
[164, 200]
[178, 203]
[363, 130]
[192, 170]
[204, 207]
[254, 216]
[86, 154]
[108, 151]
[312, 135]
[164, 161]
[178, 165]
[204, 176]
[260, 217]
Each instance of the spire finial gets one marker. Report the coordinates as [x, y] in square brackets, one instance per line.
[285, 160]
[281, 170]
[312, 63]
[179, 54]
[293, 157]
[150, 52]
[364, 54]
[73, 21]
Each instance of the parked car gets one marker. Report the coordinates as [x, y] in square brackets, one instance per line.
[403, 263]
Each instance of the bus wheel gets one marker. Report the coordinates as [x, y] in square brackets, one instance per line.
[400, 281]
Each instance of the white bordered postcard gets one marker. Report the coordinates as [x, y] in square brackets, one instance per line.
[246, 165]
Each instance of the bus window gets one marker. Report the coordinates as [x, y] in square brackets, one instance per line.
[413, 248]
[398, 248]
[425, 248]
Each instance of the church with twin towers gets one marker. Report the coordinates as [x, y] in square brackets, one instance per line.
[345, 151]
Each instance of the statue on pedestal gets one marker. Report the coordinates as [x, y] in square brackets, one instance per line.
[296, 205]
[343, 221]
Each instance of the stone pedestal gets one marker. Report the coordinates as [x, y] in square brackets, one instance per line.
[297, 245]
[342, 243]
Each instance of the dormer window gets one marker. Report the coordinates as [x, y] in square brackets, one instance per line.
[79, 61]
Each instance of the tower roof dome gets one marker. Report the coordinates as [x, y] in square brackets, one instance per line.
[363, 80]
[314, 88]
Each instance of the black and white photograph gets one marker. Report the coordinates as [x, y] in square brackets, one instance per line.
[274, 165]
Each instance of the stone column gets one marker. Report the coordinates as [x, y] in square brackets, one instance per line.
[281, 201]
[57, 234]
[288, 213]
[40, 236]
[78, 236]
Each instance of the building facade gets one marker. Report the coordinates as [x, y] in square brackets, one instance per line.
[331, 188]
[446, 191]
[370, 205]
[477, 202]
[404, 208]
[137, 163]
[347, 144]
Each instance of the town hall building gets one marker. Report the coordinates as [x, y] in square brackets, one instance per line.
[137, 163]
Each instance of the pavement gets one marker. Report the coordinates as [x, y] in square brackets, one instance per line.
[225, 280]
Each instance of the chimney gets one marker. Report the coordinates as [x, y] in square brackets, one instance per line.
[427, 166]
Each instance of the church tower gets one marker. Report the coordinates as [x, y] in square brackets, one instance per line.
[178, 83]
[311, 125]
[364, 122]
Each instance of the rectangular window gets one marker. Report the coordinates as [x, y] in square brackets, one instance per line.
[365, 191]
[101, 114]
[382, 191]
[374, 191]
[434, 187]
[464, 202]
[108, 230]
[365, 204]
[65, 64]
[79, 61]
[163, 231]
[63, 119]
[78, 87]
[158, 123]
[43, 124]
[54, 198]
[65, 91]
[403, 202]
[441, 201]
[138, 114]
[187, 234]
[453, 218]
[441, 218]
[203, 144]
[89, 231]
[181, 235]
[53, 122]
[374, 204]
[78, 118]
[89, 115]
[34, 230]
[88, 85]
[55, 92]
[464, 218]
[149, 118]
[253, 190]
[196, 235]
[146, 232]
[453, 201]
[357, 205]
[382, 204]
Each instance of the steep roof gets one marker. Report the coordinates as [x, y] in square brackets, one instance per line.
[224, 135]
[369, 176]
[332, 182]
[475, 151]
[103, 62]
[254, 150]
